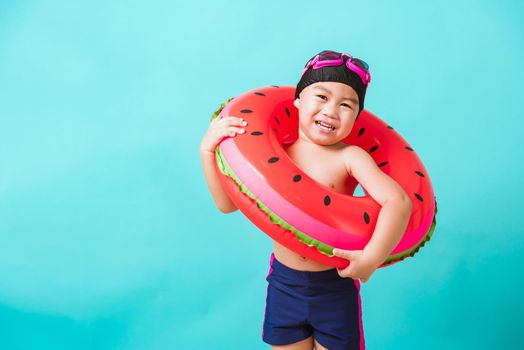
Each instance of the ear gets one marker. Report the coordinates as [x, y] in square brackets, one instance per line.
[296, 103]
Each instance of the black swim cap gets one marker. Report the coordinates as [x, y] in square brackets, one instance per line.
[340, 74]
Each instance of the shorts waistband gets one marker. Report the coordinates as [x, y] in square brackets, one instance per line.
[309, 276]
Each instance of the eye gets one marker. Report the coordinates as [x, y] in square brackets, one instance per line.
[346, 105]
[322, 97]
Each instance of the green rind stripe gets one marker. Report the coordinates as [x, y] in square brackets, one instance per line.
[222, 105]
[412, 251]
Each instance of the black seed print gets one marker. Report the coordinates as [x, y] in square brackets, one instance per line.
[390, 127]
[275, 130]
[275, 86]
[419, 173]
[287, 112]
[259, 94]
[297, 178]
[382, 164]
[373, 149]
[276, 119]
[246, 111]
[409, 148]
[327, 201]
[366, 217]
[257, 133]
[419, 197]
[273, 160]
[361, 131]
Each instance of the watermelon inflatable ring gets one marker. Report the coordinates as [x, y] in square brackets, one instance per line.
[305, 216]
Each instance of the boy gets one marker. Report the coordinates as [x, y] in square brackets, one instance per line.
[309, 304]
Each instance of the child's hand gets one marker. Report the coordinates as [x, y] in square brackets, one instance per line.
[361, 266]
[220, 128]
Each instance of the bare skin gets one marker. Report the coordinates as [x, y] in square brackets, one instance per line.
[319, 152]
[225, 127]
[306, 344]
[323, 164]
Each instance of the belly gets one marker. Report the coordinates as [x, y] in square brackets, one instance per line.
[296, 261]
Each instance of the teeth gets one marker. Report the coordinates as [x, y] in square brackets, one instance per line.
[326, 126]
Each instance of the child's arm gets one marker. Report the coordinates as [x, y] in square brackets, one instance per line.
[219, 128]
[392, 220]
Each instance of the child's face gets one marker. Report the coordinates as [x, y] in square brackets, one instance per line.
[327, 112]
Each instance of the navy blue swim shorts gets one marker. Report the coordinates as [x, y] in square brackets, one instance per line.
[301, 304]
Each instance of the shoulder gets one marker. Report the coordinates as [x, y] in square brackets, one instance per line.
[355, 157]
[355, 150]
[363, 168]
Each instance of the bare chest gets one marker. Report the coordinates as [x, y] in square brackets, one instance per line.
[326, 167]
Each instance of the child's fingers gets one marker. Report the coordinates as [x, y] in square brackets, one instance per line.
[232, 131]
[347, 272]
[231, 120]
[341, 253]
[220, 128]
[229, 126]
[236, 122]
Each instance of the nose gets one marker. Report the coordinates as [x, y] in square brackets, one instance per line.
[329, 110]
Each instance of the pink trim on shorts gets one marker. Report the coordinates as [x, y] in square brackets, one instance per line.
[270, 272]
[361, 328]
[271, 264]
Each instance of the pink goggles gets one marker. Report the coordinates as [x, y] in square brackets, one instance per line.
[334, 59]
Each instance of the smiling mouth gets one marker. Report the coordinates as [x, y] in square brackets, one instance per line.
[324, 125]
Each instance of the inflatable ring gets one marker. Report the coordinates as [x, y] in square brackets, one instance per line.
[303, 215]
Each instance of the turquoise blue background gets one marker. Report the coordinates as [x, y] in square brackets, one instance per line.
[109, 238]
